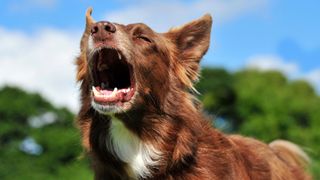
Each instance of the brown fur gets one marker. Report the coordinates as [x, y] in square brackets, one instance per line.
[169, 117]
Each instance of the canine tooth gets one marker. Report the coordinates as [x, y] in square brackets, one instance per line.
[95, 92]
[119, 56]
[114, 92]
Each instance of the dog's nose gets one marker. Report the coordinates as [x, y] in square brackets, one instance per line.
[102, 27]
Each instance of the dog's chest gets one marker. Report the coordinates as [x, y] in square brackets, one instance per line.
[131, 150]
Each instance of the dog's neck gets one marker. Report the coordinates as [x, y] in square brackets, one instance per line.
[146, 137]
[149, 136]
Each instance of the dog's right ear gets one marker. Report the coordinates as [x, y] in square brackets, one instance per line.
[192, 41]
[81, 61]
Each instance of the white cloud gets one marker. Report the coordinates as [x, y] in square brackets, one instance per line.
[271, 62]
[41, 62]
[161, 15]
[314, 78]
[290, 69]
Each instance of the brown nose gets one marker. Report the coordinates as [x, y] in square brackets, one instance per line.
[103, 27]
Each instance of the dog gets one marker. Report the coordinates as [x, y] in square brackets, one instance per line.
[139, 118]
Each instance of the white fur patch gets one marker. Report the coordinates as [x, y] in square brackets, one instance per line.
[131, 150]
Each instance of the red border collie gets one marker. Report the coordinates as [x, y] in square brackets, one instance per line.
[140, 120]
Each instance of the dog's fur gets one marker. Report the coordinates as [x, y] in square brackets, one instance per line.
[162, 133]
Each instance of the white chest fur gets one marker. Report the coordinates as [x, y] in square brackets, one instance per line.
[131, 150]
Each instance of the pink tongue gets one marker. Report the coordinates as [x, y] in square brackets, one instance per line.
[106, 92]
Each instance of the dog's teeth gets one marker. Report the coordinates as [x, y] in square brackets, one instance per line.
[95, 92]
[119, 56]
[114, 92]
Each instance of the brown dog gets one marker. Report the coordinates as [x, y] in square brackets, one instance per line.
[139, 120]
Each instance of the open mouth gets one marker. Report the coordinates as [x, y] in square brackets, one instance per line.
[113, 80]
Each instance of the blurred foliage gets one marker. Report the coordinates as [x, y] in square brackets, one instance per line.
[60, 140]
[264, 105]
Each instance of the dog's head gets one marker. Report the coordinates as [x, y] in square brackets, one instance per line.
[126, 66]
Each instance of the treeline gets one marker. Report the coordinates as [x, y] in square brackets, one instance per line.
[40, 141]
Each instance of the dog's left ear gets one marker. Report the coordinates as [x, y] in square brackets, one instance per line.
[192, 41]
[81, 61]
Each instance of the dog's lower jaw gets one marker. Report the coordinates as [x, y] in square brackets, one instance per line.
[130, 149]
[107, 109]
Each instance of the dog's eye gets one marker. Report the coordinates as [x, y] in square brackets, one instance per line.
[144, 38]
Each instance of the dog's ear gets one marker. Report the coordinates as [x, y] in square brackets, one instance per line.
[81, 61]
[192, 41]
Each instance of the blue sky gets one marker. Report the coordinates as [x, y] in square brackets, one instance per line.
[41, 36]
